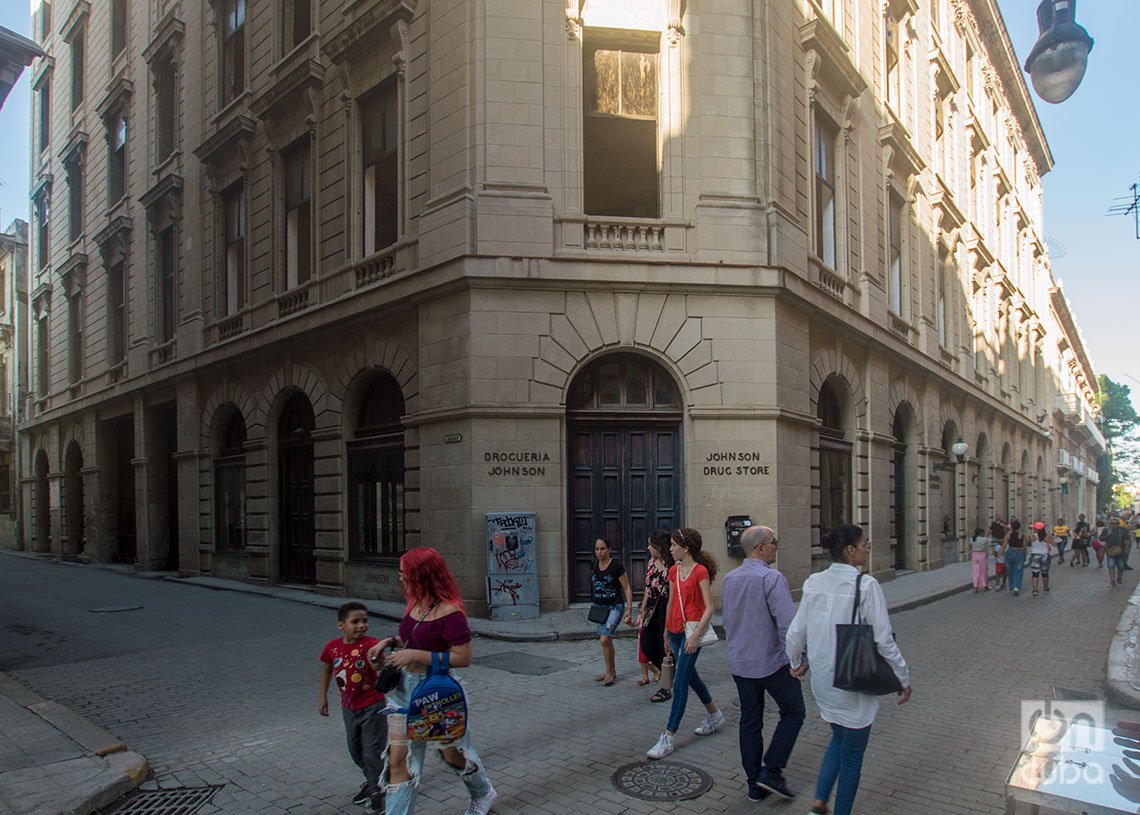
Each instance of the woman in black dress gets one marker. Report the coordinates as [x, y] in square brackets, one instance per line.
[654, 602]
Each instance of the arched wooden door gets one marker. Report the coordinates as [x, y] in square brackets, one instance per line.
[624, 460]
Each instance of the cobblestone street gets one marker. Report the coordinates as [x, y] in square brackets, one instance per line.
[220, 688]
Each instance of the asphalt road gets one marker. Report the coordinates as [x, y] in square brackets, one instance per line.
[220, 688]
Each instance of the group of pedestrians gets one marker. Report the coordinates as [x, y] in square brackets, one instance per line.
[770, 646]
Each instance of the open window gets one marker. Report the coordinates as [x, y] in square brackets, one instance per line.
[619, 123]
[379, 123]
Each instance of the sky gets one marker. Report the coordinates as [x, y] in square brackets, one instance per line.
[1092, 136]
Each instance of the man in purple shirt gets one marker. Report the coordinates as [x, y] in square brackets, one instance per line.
[758, 608]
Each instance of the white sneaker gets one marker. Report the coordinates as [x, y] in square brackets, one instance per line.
[662, 748]
[481, 806]
[709, 723]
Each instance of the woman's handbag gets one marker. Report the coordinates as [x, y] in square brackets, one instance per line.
[389, 676]
[598, 613]
[707, 638]
[859, 666]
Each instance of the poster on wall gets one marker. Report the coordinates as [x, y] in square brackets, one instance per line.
[512, 570]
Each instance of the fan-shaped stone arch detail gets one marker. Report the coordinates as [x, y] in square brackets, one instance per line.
[830, 362]
[902, 391]
[593, 323]
[300, 377]
[235, 394]
[385, 354]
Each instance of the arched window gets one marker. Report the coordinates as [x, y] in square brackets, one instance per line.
[376, 486]
[834, 461]
[229, 484]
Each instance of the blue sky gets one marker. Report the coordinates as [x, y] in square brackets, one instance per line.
[1092, 135]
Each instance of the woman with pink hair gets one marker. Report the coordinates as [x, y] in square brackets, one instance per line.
[434, 621]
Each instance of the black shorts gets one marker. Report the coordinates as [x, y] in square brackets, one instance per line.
[1081, 544]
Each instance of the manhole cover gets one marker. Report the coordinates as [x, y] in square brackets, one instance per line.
[180, 801]
[517, 662]
[111, 609]
[661, 781]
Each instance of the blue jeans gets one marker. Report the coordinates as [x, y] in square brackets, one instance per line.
[613, 620]
[843, 761]
[685, 676]
[401, 798]
[1015, 562]
[787, 692]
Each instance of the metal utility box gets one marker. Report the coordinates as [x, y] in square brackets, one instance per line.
[512, 570]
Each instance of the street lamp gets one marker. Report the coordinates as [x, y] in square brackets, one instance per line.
[1059, 57]
[959, 449]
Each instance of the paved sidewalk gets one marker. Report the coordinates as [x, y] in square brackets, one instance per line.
[55, 762]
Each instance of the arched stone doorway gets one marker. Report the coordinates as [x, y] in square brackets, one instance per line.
[1005, 502]
[296, 497]
[950, 515]
[902, 488]
[376, 487]
[623, 432]
[42, 506]
[984, 515]
[835, 450]
[73, 536]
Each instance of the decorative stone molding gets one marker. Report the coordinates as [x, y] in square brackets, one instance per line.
[73, 274]
[574, 20]
[235, 135]
[44, 69]
[114, 241]
[116, 99]
[897, 148]
[166, 45]
[831, 63]
[40, 299]
[163, 202]
[75, 150]
[363, 20]
[674, 31]
[75, 21]
[299, 85]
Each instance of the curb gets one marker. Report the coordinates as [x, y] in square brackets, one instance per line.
[330, 602]
[1118, 687]
[125, 769]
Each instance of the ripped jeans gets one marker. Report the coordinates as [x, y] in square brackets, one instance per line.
[401, 798]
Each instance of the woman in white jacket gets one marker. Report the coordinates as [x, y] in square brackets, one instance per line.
[827, 600]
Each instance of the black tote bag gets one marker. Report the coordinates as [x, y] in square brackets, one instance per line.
[859, 666]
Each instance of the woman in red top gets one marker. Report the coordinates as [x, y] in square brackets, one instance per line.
[690, 600]
[434, 621]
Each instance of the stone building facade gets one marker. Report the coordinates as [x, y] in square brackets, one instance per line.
[323, 281]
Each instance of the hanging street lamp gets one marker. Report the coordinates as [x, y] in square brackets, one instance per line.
[1059, 57]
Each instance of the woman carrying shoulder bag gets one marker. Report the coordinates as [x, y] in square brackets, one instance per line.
[434, 621]
[654, 603]
[688, 620]
[828, 599]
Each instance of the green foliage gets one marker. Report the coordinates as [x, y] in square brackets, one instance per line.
[1122, 497]
[1117, 415]
[1119, 423]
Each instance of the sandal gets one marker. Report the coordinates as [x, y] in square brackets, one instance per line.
[641, 683]
[662, 695]
[608, 680]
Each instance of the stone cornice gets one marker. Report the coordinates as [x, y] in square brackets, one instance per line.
[75, 20]
[995, 39]
[362, 19]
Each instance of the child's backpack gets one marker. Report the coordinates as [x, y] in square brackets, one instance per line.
[437, 710]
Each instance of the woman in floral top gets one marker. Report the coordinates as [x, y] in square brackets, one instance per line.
[651, 619]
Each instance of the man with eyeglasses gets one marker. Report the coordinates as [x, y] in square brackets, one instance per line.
[758, 608]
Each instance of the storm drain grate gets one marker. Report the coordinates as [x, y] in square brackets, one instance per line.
[661, 781]
[180, 801]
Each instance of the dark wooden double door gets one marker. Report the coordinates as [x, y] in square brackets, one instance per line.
[625, 482]
[298, 527]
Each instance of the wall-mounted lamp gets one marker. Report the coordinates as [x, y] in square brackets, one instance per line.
[1063, 481]
[959, 449]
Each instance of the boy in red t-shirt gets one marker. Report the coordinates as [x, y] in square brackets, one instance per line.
[366, 728]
